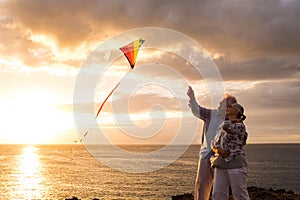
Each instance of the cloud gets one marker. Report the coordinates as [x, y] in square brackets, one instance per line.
[264, 68]
[144, 102]
[271, 95]
[16, 84]
[134, 103]
[16, 45]
[253, 42]
[246, 28]
[235, 28]
[50, 18]
[239, 30]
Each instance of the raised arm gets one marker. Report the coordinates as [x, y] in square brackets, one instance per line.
[191, 93]
[192, 102]
[197, 110]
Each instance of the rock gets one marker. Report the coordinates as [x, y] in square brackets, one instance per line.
[290, 192]
[73, 198]
[186, 196]
[281, 191]
[255, 193]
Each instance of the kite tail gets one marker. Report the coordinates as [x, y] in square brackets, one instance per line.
[106, 99]
[130, 51]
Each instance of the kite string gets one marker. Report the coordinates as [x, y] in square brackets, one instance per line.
[110, 94]
[107, 98]
[85, 134]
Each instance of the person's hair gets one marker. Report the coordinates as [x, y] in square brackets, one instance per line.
[230, 99]
[240, 108]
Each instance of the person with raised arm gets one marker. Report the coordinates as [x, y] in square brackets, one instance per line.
[212, 118]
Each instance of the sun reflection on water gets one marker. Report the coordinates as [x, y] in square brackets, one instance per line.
[30, 178]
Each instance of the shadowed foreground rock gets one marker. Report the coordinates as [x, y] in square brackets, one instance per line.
[255, 193]
[75, 198]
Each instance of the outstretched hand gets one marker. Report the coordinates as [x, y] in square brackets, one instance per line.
[190, 93]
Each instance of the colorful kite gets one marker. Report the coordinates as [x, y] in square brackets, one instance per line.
[130, 51]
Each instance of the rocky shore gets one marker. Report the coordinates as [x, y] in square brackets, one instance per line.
[255, 193]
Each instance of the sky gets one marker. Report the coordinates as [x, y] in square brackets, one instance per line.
[45, 43]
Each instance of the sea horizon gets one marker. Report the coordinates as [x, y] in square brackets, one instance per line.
[58, 171]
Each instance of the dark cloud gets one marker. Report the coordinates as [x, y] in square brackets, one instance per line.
[259, 69]
[272, 110]
[58, 19]
[271, 95]
[248, 28]
[234, 28]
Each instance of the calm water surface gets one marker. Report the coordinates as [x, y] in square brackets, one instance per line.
[63, 171]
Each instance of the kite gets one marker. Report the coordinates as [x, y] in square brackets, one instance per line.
[130, 51]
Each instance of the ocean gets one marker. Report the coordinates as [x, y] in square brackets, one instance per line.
[64, 171]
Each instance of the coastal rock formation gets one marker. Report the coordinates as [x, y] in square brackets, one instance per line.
[75, 198]
[255, 193]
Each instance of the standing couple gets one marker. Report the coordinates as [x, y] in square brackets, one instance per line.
[221, 159]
